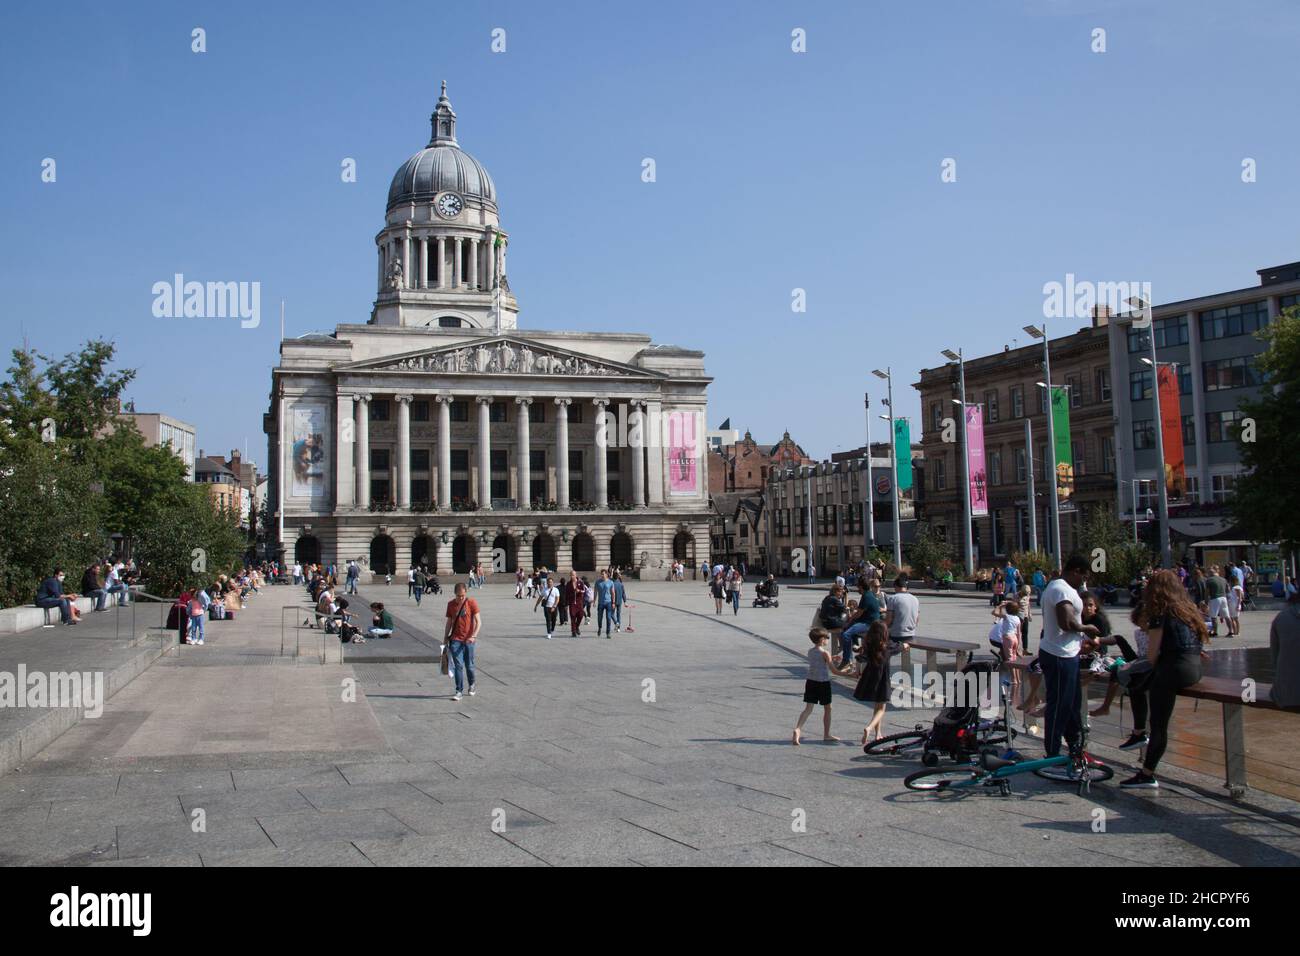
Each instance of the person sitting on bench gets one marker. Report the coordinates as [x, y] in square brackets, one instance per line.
[382, 622]
[50, 595]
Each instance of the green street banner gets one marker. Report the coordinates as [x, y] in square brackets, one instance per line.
[1064, 458]
[903, 453]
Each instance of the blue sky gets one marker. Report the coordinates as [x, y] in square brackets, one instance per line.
[775, 171]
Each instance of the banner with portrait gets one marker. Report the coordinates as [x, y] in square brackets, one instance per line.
[979, 483]
[309, 450]
[683, 441]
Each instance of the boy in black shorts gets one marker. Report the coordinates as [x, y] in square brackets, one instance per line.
[817, 688]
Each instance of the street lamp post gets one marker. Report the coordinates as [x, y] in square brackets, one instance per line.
[1166, 558]
[887, 375]
[870, 541]
[1029, 477]
[807, 493]
[1053, 499]
[969, 552]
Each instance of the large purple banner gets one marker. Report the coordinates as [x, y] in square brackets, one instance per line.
[979, 484]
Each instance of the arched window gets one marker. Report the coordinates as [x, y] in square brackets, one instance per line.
[383, 555]
[544, 552]
[620, 550]
[584, 553]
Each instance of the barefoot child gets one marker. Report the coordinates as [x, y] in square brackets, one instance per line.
[873, 686]
[817, 688]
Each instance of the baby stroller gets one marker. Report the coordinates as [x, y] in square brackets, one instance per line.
[431, 586]
[957, 732]
[765, 594]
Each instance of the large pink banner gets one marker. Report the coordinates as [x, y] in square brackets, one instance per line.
[979, 483]
[683, 454]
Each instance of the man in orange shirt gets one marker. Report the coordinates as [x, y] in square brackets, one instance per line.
[463, 624]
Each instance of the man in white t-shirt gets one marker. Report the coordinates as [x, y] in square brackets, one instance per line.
[1058, 654]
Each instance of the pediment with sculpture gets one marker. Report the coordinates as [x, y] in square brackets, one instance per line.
[500, 357]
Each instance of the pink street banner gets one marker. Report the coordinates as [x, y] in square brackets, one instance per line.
[979, 485]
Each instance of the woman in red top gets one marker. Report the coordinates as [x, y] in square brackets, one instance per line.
[577, 592]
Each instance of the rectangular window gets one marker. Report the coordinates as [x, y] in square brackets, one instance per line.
[500, 488]
[419, 460]
[1108, 456]
[991, 405]
[459, 460]
[459, 411]
[940, 474]
[1076, 456]
[497, 412]
[1237, 372]
[1139, 386]
[460, 489]
[1103, 384]
[498, 459]
[380, 489]
[1189, 431]
[1245, 319]
[575, 414]
[378, 459]
[1144, 433]
[1042, 399]
[1184, 379]
[936, 417]
[536, 489]
[1222, 426]
[379, 410]
[420, 411]
[1022, 473]
[1076, 395]
[1221, 487]
[1171, 331]
[575, 461]
[1139, 340]
[536, 412]
[995, 468]
[1192, 490]
[537, 461]
[419, 491]
[1017, 401]
[611, 460]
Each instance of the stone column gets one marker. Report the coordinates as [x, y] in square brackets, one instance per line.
[363, 449]
[444, 449]
[442, 263]
[473, 263]
[601, 453]
[562, 452]
[654, 432]
[380, 249]
[637, 452]
[456, 277]
[344, 476]
[489, 263]
[406, 261]
[403, 464]
[424, 263]
[484, 453]
[523, 467]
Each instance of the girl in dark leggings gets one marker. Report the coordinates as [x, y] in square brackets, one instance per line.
[1176, 638]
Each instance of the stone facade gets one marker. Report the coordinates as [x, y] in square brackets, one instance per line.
[439, 433]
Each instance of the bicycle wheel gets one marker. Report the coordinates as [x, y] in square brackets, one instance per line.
[1064, 773]
[946, 779]
[909, 742]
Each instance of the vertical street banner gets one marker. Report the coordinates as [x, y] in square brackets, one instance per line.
[903, 453]
[1171, 426]
[975, 470]
[309, 452]
[1064, 457]
[683, 453]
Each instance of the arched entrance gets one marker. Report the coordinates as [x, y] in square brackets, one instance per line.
[544, 552]
[620, 550]
[464, 554]
[584, 552]
[383, 555]
[509, 561]
[424, 551]
[684, 548]
[307, 550]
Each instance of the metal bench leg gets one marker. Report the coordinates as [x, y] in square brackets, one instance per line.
[961, 659]
[931, 661]
[1234, 749]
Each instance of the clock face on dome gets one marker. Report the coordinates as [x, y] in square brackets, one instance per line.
[449, 205]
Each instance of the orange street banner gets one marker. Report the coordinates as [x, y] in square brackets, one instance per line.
[1171, 425]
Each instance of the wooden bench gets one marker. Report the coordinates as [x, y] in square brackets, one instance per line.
[1228, 692]
[933, 647]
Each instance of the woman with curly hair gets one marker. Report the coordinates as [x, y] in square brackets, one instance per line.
[1176, 639]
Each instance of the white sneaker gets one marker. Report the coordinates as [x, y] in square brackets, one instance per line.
[200, 642]
[548, 637]
[456, 696]
[472, 690]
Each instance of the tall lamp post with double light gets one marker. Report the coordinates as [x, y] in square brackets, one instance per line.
[888, 377]
[969, 552]
[1166, 557]
[870, 527]
[1053, 498]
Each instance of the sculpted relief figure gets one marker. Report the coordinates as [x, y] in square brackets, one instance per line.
[525, 359]
[394, 279]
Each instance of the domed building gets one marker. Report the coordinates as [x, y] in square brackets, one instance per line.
[438, 433]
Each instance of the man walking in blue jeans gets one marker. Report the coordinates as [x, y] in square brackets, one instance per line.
[605, 605]
[463, 625]
[1058, 655]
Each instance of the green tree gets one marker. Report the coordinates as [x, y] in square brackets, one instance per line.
[1263, 500]
[928, 549]
[1114, 558]
[139, 483]
[189, 543]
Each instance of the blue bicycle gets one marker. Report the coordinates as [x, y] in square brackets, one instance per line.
[990, 770]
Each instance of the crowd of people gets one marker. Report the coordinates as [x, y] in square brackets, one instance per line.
[102, 582]
[570, 600]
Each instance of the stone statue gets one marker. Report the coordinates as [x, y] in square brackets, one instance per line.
[395, 279]
[525, 359]
[481, 358]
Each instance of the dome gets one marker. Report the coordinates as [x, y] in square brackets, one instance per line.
[442, 166]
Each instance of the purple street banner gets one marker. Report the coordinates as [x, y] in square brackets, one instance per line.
[979, 484]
